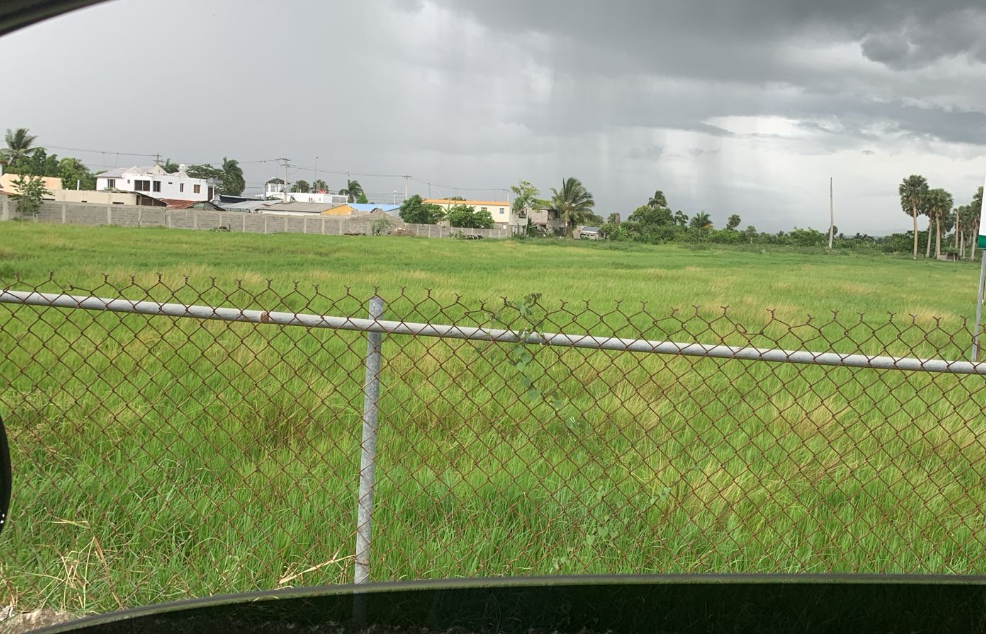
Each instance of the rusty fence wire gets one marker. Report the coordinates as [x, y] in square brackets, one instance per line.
[172, 439]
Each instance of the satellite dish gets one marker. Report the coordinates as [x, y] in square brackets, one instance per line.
[181, 167]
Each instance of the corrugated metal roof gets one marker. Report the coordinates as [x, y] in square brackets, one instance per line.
[295, 206]
[247, 205]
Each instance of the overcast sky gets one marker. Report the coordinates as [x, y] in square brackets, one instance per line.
[743, 107]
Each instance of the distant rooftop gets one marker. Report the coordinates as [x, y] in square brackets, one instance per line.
[502, 204]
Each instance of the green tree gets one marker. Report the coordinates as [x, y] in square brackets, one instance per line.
[415, 210]
[205, 171]
[733, 222]
[649, 216]
[912, 191]
[19, 145]
[29, 193]
[353, 190]
[362, 198]
[232, 181]
[74, 173]
[169, 166]
[573, 202]
[751, 232]
[680, 218]
[39, 164]
[701, 221]
[467, 216]
[658, 200]
[300, 186]
[526, 197]
[319, 185]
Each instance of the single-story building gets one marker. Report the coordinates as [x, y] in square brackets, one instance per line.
[358, 209]
[589, 232]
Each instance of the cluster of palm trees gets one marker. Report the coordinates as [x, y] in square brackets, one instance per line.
[918, 199]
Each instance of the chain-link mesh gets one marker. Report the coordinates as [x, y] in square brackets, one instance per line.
[158, 457]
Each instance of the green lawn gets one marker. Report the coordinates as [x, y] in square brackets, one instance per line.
[160, 459]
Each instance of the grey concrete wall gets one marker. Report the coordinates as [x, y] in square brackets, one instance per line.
[143, 216]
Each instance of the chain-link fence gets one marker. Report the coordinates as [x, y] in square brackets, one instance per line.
[176, 440]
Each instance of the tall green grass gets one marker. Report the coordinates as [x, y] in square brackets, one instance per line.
[159, 459]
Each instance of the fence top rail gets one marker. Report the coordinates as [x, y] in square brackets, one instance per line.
[583, 341]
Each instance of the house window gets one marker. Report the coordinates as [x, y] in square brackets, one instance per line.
[111, 183]
[181, 187]
[484, 209]
[197, 189]
[157, 186]
[142, 185]
[501, 210]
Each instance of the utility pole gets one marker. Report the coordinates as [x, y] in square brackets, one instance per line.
[406, 177]
[831, 215]
[157, 159]
[315, 172]
[284, 186]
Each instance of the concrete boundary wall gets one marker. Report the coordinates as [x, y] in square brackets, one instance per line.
[143, 216]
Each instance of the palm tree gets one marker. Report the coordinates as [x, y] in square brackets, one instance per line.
[169, 166]
[300, 186]
[959, 230]
[658, 200]
[975, 210]
[19, 144]
[319, 185]
[233, 181]
[733, 222]
[701, 221]
[353, 190]
[573, 203]
[939, 204]
[913, 191]
[680, 218]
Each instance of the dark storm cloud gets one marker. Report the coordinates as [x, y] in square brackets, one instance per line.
[676, 64]
[726, 105]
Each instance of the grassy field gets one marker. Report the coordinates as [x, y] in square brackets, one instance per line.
[160, 459]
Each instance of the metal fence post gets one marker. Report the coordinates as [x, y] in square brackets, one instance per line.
[979, 310]
[368, 446]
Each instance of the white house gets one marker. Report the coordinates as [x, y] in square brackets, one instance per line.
[154, 181]
[274, 189]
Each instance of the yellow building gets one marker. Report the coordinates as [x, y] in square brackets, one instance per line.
[7, 182]
[503, 216]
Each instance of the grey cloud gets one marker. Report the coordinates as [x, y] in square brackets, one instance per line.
[479, 93]
[885, 48]
[649, 153]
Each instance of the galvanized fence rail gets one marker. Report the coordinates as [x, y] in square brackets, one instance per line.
[171, 441]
